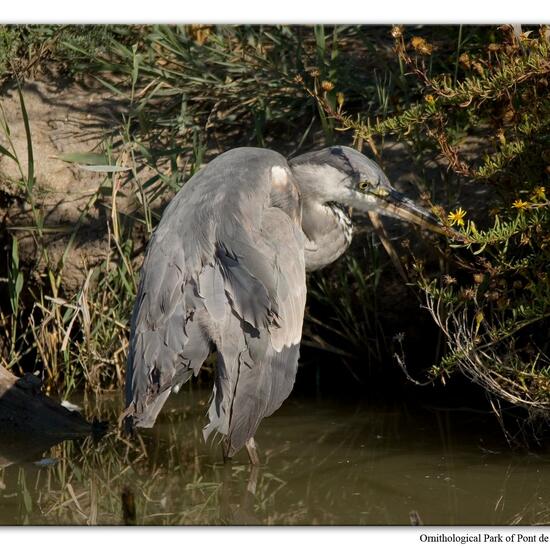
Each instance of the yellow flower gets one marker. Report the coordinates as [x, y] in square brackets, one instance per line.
[539, 193]
[465, 60]
[327, 86]
[397, 31]
[520, 205]
[421, 46]
[457, 216]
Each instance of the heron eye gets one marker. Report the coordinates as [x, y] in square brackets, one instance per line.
[363, 185]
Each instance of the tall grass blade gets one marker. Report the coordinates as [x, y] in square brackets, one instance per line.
[28, 135]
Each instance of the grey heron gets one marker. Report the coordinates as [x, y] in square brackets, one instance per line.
[225, 270]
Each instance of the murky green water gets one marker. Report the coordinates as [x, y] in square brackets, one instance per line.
[323, 463]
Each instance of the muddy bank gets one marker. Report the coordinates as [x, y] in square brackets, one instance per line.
[64, 117]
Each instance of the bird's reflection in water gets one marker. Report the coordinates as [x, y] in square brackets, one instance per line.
[237, 498]
[128, 503]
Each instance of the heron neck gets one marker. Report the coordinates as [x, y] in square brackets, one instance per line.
[328, 230]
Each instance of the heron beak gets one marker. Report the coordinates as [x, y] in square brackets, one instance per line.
[396, 205]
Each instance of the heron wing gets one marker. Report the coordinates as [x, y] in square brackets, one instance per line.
[257, 363]
[225, 268]
[167, 342]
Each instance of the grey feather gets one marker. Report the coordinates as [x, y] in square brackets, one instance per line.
[259, 372]
[259, 392]
[226, 288]
[225, 271]
[212, 290]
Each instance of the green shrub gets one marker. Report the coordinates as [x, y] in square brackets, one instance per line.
[494, 304]
[30, 49]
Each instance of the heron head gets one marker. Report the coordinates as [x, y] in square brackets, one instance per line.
[342, 174]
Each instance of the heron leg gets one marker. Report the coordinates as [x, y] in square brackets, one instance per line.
[252, 483]
[252, 452]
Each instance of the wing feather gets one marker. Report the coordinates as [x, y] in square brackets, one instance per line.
[224, 269]
[263, 369]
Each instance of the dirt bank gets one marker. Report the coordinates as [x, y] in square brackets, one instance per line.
[64, 117]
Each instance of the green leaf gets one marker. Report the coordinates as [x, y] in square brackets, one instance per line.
[30, 155]
[5, 152]
[110, 86]
[104, 168]
[15, 253]
[18, 285]
[84, 158]
[135, 67]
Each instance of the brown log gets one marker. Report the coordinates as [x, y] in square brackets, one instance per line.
[31, 422]
[24, 409]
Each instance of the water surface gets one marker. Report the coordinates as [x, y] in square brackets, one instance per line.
[324, 462]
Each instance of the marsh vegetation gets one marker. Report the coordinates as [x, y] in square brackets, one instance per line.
[458, 116]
